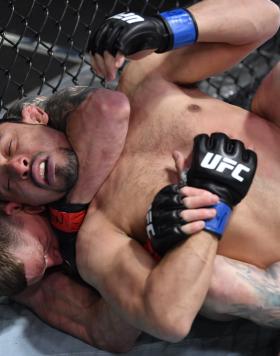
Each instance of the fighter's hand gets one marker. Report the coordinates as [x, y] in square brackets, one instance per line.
[126, 34]
[175, 214]
[106, 65]
[224, 167]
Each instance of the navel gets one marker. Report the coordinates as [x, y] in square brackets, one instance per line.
[194, 108]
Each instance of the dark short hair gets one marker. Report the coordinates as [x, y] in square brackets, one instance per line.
[15, 110]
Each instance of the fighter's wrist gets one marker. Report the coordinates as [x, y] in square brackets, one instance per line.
[181, 26]
[218, 224]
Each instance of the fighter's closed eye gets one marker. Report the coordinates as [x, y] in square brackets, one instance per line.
[10, 148]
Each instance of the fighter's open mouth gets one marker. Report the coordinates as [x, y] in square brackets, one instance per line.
[43, 171]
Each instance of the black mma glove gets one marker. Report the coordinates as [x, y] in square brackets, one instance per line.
[130, 33]
[221, 165]
[164, 221]
[224, 167]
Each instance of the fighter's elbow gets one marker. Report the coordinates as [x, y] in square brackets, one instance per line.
[170, 326]
[261, 21]
[274, 19]
[114, 106]
[168, 321]
[269, 25]
[122, 109]
[111, 107]
[175, 332]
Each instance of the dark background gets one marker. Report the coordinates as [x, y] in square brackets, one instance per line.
[43, 47]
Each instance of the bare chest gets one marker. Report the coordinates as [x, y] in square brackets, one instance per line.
[166, 118]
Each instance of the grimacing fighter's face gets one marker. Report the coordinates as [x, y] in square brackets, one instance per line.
[37, 164]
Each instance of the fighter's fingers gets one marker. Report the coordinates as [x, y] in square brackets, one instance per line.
[179, 162]
[119, 60]
[190, 215]
[110, 66]
[93, 63]
[193, 227]
[99, 66]
[200, 201]
[192, 191]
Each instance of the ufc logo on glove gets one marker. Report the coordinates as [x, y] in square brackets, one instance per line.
[130, 33]
[220, 164]
[225, 167]
[150, 228]
[129, 17]
[211, 157]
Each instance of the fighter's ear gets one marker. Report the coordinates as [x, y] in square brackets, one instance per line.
[11, 208]
[32, 114]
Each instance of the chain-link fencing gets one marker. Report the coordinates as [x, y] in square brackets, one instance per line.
[43, 48]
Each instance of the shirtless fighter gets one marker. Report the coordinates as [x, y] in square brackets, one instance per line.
[166, 115]
[108, 255]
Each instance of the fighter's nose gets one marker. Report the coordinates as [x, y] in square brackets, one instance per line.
[19, 167]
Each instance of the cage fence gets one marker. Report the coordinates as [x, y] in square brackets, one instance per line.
[43, 48]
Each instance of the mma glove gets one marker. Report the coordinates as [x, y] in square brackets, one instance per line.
[164, 221]
[224, 167]
[130, 33]
[220, 165]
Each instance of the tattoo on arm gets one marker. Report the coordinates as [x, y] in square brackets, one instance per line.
[57, 106]
[252, 293]
[60, 104]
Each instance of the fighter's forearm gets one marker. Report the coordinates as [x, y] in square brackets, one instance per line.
[113, 333]
[80, 311]
[242, 290]
[178, 285]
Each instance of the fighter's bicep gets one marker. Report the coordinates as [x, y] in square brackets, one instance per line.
[202, 60]
[187, 65]
[111, 261]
